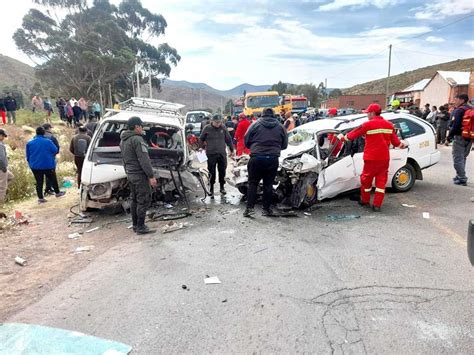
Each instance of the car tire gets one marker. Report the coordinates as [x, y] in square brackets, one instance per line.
[311, 196]
[404, 178]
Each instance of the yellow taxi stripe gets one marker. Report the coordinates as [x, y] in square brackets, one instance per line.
[380, 130]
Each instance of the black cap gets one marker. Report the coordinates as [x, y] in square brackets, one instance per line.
[463, 97]
[217, 117]
[134, 121]
[268, 112]
[3, 133]
[47, 126]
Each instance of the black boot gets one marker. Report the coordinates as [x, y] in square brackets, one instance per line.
[222, 190]
[143, 229]
[211, 192]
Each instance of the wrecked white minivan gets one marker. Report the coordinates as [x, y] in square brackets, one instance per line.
[104, 181]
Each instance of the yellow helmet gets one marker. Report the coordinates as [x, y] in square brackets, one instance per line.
[395, 103]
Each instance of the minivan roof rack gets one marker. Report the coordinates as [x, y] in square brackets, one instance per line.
[153, 105]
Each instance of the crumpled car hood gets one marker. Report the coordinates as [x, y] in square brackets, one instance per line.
[294, 150]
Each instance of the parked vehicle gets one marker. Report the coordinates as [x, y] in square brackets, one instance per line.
[194, 120]
[316, 166]
[104, 181]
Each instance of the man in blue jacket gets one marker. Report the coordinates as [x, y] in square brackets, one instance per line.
[40, 154]
[461, 146]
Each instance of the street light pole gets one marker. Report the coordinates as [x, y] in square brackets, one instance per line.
[388, 76]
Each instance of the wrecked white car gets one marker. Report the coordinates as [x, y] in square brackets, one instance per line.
[104, 182]
[316, 165]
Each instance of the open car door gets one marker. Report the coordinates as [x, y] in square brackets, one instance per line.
[340, 173]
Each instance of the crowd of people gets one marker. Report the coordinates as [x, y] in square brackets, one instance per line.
[73, 112]
[8, 108]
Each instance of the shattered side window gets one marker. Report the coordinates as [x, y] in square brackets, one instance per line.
[297, 137]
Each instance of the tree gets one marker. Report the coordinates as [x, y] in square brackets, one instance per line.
[335, 93]
[84, 48]
[37, 89]
[229, 107]
[281, 87]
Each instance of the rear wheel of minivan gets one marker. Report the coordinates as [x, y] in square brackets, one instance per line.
[404, 178]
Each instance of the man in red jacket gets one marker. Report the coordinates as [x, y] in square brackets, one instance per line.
[242, 127]
[379, 134]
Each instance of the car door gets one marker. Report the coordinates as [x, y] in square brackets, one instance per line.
[339, 175]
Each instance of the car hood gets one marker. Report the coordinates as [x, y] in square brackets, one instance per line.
[294, 150]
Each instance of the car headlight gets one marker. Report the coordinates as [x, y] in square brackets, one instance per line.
[99, 189]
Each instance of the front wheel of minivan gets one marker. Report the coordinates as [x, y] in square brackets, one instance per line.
[404, 178]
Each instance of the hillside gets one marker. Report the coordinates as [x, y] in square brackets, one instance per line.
[190, 97]
[401, 81]
[234, 92]
[14, 72]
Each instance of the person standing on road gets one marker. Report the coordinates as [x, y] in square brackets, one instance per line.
[78, 147]
[215, 138]
[266, 138]
[77, 111]
[379, 134]
[40, 154]
[91, 126]
[97, 110]
[432, 116]
[5, 174]
[49, 134]
[242, 127]
[10, 105]
[426, 112]
[461, 146]
[141, 178]
[442, 125]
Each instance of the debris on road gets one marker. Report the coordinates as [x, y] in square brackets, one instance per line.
[74, 235]
[81, 220]
[172, 227]
[224, 301]
[342, 217]
[184, 287]
[407, 205]
[92, 230]
[212, 280]
[168, 206]
[83, 249]
[20, 261]
[426, 215]
[307, 213]
[258, 251]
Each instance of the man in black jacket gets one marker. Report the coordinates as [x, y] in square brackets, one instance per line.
[266, 138]
[141, 178]
[215, 137]
[461, 146]
[10, 104]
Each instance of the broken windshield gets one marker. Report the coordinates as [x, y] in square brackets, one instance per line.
[298, 136]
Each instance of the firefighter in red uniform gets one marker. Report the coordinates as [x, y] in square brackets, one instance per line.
[379, 134]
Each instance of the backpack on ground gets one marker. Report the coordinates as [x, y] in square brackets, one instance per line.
[468, 124]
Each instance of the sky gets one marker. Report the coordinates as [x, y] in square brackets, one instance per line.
[226, 43]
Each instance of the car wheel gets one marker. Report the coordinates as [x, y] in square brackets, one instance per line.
[404, 178]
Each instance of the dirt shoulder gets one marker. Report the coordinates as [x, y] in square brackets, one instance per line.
[50, 255]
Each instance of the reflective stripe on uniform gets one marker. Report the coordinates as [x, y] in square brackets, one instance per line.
[380, 130]
[382, 191]
[367, 190]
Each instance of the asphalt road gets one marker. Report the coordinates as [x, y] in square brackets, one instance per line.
[383, 283]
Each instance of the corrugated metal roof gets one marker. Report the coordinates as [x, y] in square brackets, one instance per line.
[418, 86]
[455, 77]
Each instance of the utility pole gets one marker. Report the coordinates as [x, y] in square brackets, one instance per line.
[100, 98]
[149, 79]
[192, 94]
[138, 78]
[388, 76]
[200, 98]
[110, 96]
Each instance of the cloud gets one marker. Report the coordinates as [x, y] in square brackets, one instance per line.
[234, 18]
[470, 43]
[440, 9]
[434, 39]
[396, 32]
[339, 4]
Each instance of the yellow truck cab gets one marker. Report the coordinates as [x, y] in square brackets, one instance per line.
[256, 102]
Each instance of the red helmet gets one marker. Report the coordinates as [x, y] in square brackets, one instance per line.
[332, 111]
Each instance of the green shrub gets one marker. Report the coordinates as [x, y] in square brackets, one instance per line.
[35, 119]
